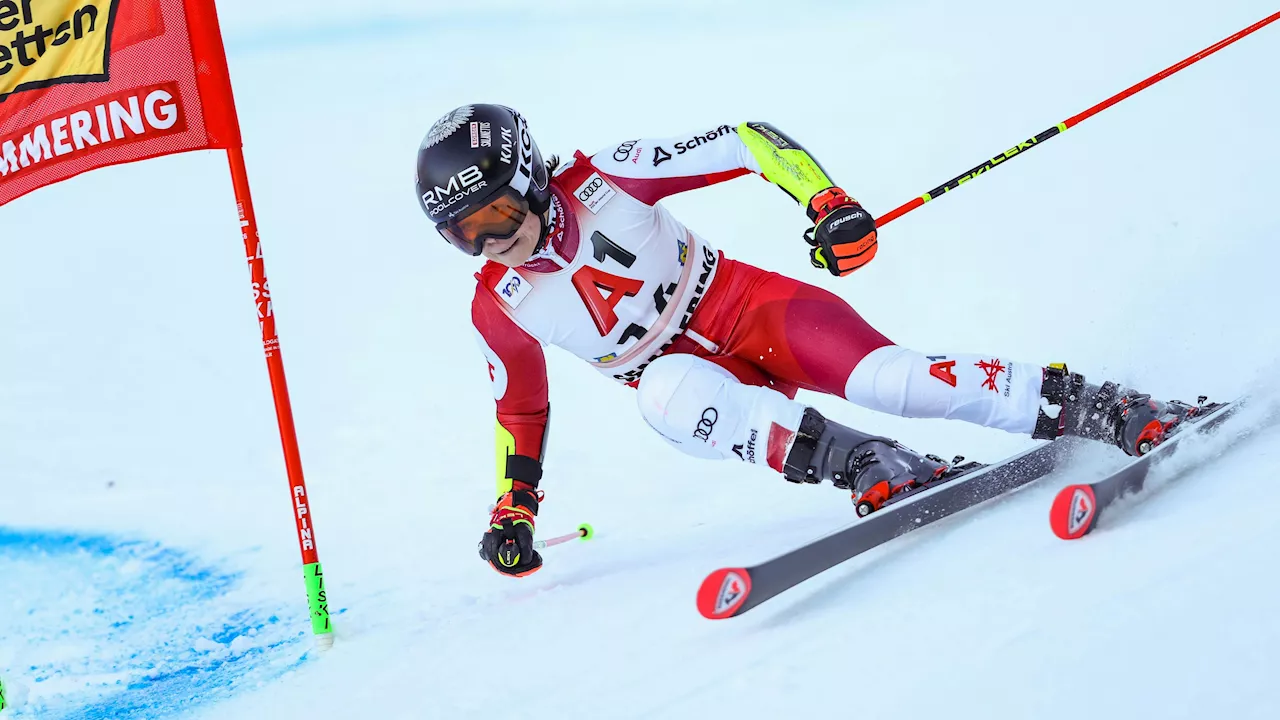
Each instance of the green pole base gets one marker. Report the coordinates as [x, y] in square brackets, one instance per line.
[318, 601]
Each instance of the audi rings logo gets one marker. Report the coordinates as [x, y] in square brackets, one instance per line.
[706, 424]
[586, 191]
[594, 192]
[623, 151]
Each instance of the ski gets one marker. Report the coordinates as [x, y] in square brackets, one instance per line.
[1076, 509]
[728, 592]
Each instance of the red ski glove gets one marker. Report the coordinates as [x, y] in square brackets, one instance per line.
[843, 234]
[508, 545]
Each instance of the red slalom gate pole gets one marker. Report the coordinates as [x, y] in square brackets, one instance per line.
[1067, 124]
[317, 599]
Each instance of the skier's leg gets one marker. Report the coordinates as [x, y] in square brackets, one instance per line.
[704, 410]
[806, 335]
[803, 334]
[795, 332]
[1045, 403]
[980, 389]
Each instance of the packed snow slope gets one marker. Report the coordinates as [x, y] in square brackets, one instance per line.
[148, 566]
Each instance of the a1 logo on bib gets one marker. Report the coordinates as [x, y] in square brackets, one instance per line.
[594, 193]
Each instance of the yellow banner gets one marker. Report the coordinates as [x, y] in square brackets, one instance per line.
[46, 42]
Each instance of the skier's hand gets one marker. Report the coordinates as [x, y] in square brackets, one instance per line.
[508, 545]
[843, 235]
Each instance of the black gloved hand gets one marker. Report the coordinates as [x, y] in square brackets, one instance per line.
[843, 234]
[508, 545]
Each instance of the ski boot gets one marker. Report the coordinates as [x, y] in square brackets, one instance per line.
[873, 468]
[1108, 413]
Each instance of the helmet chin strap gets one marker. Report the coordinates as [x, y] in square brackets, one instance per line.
[544, 232]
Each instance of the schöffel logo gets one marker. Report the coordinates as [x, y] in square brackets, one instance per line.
[700, 140]
[47, 42]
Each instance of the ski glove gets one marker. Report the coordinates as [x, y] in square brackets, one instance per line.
[843, 235]
[508, 545]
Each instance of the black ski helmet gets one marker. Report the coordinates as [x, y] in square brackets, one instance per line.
[471, 157]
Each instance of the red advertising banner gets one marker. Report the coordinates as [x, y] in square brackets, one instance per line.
[90, 83]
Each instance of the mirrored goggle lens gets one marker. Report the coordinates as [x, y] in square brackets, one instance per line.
[499, 219]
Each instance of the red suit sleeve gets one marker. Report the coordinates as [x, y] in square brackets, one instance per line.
[518, 371]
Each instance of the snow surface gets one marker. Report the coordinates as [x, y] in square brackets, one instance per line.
[148, 566]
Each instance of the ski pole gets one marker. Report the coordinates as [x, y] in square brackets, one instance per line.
[584, 531]
[1066, 124]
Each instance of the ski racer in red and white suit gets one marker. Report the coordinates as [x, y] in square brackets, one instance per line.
[718, 348]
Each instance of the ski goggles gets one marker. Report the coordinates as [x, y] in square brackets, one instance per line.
[498, 219]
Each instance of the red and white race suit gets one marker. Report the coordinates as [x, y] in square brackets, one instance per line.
[621, 283]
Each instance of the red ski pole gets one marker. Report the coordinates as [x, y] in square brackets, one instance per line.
[1066, 124]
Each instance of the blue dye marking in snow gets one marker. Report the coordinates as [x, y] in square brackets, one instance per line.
[104, 627]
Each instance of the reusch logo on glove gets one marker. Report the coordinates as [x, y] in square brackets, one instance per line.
[852, 216]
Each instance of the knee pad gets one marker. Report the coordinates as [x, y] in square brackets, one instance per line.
[703, 410]
[980, 389]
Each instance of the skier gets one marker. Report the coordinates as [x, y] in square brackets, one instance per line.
[582, 255]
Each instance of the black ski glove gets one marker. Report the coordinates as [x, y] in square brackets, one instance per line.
[843, 234]
[508, 545]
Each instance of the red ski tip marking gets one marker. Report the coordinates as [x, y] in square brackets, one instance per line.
[1073, 512]
[723, 593]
